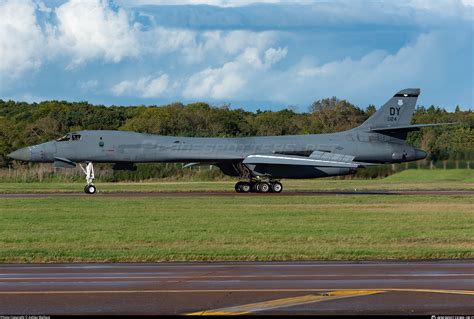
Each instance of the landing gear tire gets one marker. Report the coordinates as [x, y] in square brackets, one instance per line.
[255, 188]
[264, 187]
[238, 187]
[90, 189]
[245, 187]
[258, 187]
[277, 187]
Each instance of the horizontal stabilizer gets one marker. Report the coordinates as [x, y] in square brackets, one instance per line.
[298, 160]
[407, 128]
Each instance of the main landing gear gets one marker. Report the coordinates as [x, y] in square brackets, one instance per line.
[89, 171]
[258, 187]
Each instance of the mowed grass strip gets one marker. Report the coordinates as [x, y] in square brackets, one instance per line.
[236, 228]
[453, 179]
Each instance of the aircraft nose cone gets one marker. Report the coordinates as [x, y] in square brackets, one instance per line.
[23, 154]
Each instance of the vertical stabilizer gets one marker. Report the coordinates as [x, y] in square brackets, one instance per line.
[398, 111]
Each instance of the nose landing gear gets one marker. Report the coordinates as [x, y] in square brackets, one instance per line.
[89, 172]
[258, 187]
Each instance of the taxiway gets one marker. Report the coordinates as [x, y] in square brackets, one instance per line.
[333, 287]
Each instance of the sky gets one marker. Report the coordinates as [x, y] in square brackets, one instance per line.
[247, 54]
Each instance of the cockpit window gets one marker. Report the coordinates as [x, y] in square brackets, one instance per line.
[69, 137]
[66, 137]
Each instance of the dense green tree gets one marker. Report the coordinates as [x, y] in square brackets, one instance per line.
[331, 115]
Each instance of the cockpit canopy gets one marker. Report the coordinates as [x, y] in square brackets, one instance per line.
[70, 137]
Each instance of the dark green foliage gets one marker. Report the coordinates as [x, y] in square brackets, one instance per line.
[445, 142]
[332, 115]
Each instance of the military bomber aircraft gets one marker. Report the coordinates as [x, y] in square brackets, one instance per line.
[259, 162]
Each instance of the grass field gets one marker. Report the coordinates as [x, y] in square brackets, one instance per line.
[92, 228]
[236, 228]
[461, 179]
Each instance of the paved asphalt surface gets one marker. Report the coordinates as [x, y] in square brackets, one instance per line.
[333, 287]
[222, 193]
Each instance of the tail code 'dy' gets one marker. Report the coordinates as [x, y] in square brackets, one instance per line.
[397, 111]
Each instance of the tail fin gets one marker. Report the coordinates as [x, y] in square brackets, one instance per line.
[398, 111]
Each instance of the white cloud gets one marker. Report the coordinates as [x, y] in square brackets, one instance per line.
[219, 3]
[86, 30]
[146, 87]
[436, 10]
[273, 55]
[196, 47]
[374, 75]
[234, 41]
[222, 44]
[219, 83]
[165, 40]
[90, 28]
[232, 79]
[21, 39]
[239, 64]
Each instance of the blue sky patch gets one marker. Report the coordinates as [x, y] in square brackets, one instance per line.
[267, 55]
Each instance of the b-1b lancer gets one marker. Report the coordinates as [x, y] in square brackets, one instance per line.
[259, 162]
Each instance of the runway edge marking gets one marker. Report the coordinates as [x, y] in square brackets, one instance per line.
[285, 302]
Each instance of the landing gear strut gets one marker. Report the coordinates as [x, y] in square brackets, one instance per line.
[257, 186]
[89, 171]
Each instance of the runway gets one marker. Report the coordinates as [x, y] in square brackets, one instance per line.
[333, 287]
[232, 194]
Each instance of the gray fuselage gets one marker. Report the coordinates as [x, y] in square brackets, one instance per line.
[380, 139]
[122, 146]
[130, 147]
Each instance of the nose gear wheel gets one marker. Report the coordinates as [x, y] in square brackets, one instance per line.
[89, 172]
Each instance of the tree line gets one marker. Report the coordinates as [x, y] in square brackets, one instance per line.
[24, 123]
